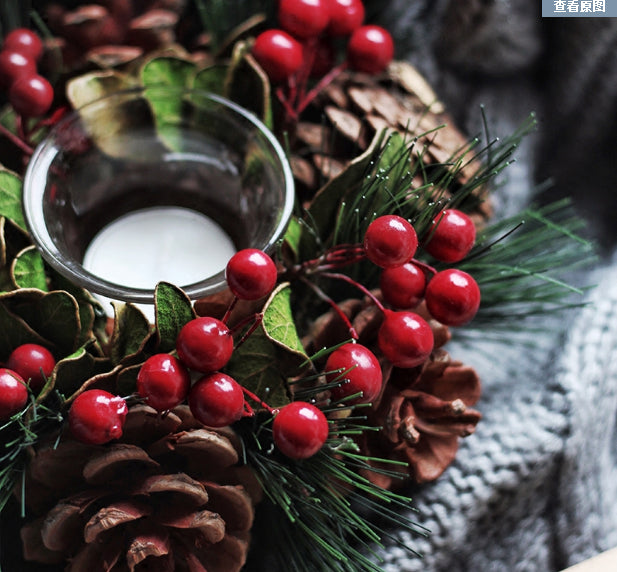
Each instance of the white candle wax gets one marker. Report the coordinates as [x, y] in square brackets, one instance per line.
[150, 245]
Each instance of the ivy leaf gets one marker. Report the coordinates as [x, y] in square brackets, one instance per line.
[10, 197]
[72, 372]
[171, 71]
[248, 85]
[14, 330]
[255, 365]
[131, 333]
[28, 270]
[12, 241]
[103, 123]
[325, 207]
[126, 382]
[212, 79]
[173, 309]
[278, 321]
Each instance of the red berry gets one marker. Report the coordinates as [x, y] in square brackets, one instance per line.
[251, 274]
[216, 400]
[357, 367]
[299, 430]
[13, 393]
[452, 297]
[97, 416]
[405, 338]
[346, 16]
[390, 241]
[163, 381]
[452, 236]
[303, 18]
[205, 344]
[32, 362]
[279, 54]
[370, 49]
[14, 65]
[31, 96]
[25, 42]
[402, 286]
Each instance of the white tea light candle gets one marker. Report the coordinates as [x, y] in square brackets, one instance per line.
[150, 245]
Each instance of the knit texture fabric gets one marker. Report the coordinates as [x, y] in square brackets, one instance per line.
[535, 488]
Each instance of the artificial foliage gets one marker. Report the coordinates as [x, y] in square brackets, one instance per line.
[320, 512]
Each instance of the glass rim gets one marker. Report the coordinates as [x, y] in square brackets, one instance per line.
[33, 195]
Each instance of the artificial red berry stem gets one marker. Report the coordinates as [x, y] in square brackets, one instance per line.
[426, 268]
[290, 112]
[230, 309]
[256, 399]
[324, 82]
[257, 319]
[23, 146]
[363, 289]
[323, 296]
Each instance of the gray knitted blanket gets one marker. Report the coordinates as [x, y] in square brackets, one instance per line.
[535, 488]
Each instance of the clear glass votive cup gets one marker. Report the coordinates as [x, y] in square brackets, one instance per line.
[172, 158]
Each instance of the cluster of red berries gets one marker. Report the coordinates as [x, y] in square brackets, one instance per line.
[203, 347]
[194, 374]
[29, 93]
[304, 46]
[26, 371]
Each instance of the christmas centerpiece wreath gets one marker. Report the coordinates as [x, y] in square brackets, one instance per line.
[274, 420]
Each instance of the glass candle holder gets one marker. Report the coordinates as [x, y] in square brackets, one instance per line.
[156, 184]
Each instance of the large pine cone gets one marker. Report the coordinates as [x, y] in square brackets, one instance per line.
[168, 496]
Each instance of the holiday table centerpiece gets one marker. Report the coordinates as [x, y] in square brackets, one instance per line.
[286, 417]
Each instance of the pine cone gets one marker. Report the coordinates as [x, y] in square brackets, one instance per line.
[342, 121]
[168, 496]
[110, 33]
[422, 411]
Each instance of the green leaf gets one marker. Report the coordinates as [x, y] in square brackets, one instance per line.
[14, 330]
[126, 382]
[73, 371]
[89, 87]
[10, 197]
[255, 365]
[173, 309]
[324, 209]
[248, 85]
[292, 237]
[131, 333]
[28, 269]
[13, 240]
[167, 71]
[278, 321]
[212, 79]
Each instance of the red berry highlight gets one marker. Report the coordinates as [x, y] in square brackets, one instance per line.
[34, 363]
[346, 16]
[303, 18]
[251, 274]
[452, 236]
[278, 53]
[205, 344]
[402, 286]
[359, 370]
[13, 393]
[97, 417]
[25, 42]
[370, 49]
[14, 65]
[163, 381]
[452, 297]
[31, 96]
[405, 338]
[389, 241]
[299, 430]
[216, 400]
